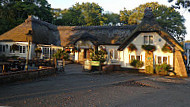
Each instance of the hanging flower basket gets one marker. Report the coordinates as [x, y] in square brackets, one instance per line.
[132, 48]
[38, 50]
[149, 48]
[15, 47]
[167, 48]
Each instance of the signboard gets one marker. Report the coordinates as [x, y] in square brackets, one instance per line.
[87, 65]
[95, 63]
[149, 58]
[60, 65]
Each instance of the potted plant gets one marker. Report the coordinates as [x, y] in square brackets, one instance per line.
[167, 48]
[132, 47]
[100, 56]
[149, 48]
[61, 54]
[60, 57]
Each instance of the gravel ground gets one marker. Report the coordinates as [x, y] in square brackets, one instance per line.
[74, 88]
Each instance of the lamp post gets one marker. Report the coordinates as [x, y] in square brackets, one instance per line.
[28, 49]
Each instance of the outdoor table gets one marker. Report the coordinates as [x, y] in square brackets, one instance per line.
[3, 64]
[14, 64]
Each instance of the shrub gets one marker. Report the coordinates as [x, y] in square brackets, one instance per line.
[132, 47]
[61, 54]
[167, 48]
[148, 48]
[137, 63]
[163, 69]
[100, 55]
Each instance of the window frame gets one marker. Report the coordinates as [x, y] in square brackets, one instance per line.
[166, 60]
[22, 49]
[158, 59]
[162, 60]
[148, 39]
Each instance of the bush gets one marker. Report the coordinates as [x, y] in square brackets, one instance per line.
[61, 54]
[100, 55]
[137, 63]
[162, 69]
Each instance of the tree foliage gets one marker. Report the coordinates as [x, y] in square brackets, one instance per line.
[167, 17]
[181, 3]
[88, 14]
[14, 12]
[111, 18]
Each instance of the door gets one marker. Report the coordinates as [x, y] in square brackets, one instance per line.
[149, 63]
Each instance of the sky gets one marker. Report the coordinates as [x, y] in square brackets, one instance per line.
[116, 5]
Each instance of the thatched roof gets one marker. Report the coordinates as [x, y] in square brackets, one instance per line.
[18, 33]
[46, 33]
[43, 32]
[103, 34]
[149, 24]
[86, 36]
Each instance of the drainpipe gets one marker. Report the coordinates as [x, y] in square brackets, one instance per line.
[173, 58]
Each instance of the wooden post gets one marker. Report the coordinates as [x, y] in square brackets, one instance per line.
[63, 65]
[27, 57]
[3, 68]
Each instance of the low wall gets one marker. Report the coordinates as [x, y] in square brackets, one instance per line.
[25, 75]
[133, 70]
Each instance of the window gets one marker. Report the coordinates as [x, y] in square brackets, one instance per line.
[116, 54]
[145, 39]
[22, 49]
[3, 48]
[111, 54]
[132, 57]
[165, 60]
[148, 39]
[159, 59]
[138, 58]
[11, 51]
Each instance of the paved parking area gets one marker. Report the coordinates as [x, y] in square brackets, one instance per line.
[74, 88]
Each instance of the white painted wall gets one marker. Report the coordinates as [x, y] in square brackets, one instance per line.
[17, 53]
[115, 52]
[158, 41]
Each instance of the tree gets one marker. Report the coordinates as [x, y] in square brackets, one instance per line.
[112, 18]
[181, 3]
[82, 14]
[18, 11]
[167, 17]
[124, 16]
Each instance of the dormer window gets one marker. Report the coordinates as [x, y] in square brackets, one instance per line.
[148, 39]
